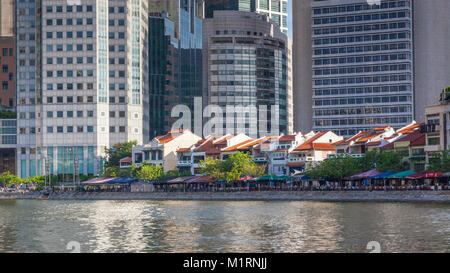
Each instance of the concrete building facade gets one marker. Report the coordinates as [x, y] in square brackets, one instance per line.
[247, 62]
[361, 66]
[82, 72]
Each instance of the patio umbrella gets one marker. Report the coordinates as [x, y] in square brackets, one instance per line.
[415, 176]
[401, 174]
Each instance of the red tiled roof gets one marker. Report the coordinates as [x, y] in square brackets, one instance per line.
[164, 139]
[288, 137]
[252, 144]
[126, 159]
[183, 150]
[415, 139]
[235, 147]
[324, 146]
[374, 143]
[410, 129]
[350, 139]
[307, 145]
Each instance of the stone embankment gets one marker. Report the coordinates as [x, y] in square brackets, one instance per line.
[326, 196]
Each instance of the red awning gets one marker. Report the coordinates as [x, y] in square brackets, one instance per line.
[415, 176]
[433, 175]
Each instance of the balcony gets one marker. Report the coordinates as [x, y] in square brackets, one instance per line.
[432, 148]
[260, 159]
[184, 163]
[296, 159]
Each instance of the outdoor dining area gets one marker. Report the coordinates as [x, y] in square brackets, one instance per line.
[372, 180]
[390, 180]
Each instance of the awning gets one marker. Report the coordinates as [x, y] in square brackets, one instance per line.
[401, 174]
[415, 176]
[200, 179]
[364, 175]
[179, 180]
[98, 181]
[269, 178]
[244, 178]
[433, 174]
[383, 175]
[122, 180]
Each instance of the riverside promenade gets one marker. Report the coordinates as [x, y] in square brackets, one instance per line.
[325, 196]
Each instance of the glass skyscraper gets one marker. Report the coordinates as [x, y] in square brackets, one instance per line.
[276, 10]
[186, 16]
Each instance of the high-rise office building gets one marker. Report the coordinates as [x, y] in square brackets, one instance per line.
[163, 74]
[247, 62]
[361, 66]
[7, 18]
[276, 10]
[82, 72]
[186, 16]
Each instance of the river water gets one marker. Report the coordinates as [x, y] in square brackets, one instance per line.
[203, 226]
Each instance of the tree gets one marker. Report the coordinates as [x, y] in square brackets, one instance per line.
[440, 163]
[232, 168]
[389, 161]
[8, 179]
[336, 168]
[150, 172]
[117, 152]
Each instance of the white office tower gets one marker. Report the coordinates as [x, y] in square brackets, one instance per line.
[81, 69]
[372, 63]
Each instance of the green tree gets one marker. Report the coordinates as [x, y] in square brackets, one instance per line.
[150, 172]
[117, 152]
[440, 163]
[8, 179]
[390, 161]
[232, 168]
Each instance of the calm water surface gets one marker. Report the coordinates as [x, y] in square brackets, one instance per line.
[190, 226]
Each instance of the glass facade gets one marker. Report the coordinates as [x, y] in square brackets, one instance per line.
[276, 10]
[362, 65]
[163, 74]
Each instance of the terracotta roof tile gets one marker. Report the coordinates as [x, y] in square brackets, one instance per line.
[307, 144]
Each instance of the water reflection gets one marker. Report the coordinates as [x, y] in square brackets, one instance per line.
[190, 226]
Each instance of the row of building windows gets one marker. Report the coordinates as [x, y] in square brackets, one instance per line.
[7, 52]
[360, 18]
[360, 80]
[72, 129]
[245, 62]
[361, 28]
[80, 99]
[363, 121]
[74, 86]
[78, 8]
[356, 39]
[70, 47]
[233, 51]
[69, 22]
[362, 90]
[344, 101]
[360, 7]
[234, 72]
[363, 48]
[362, 69]
[362, 59]
[368, 110]
[69, 34]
